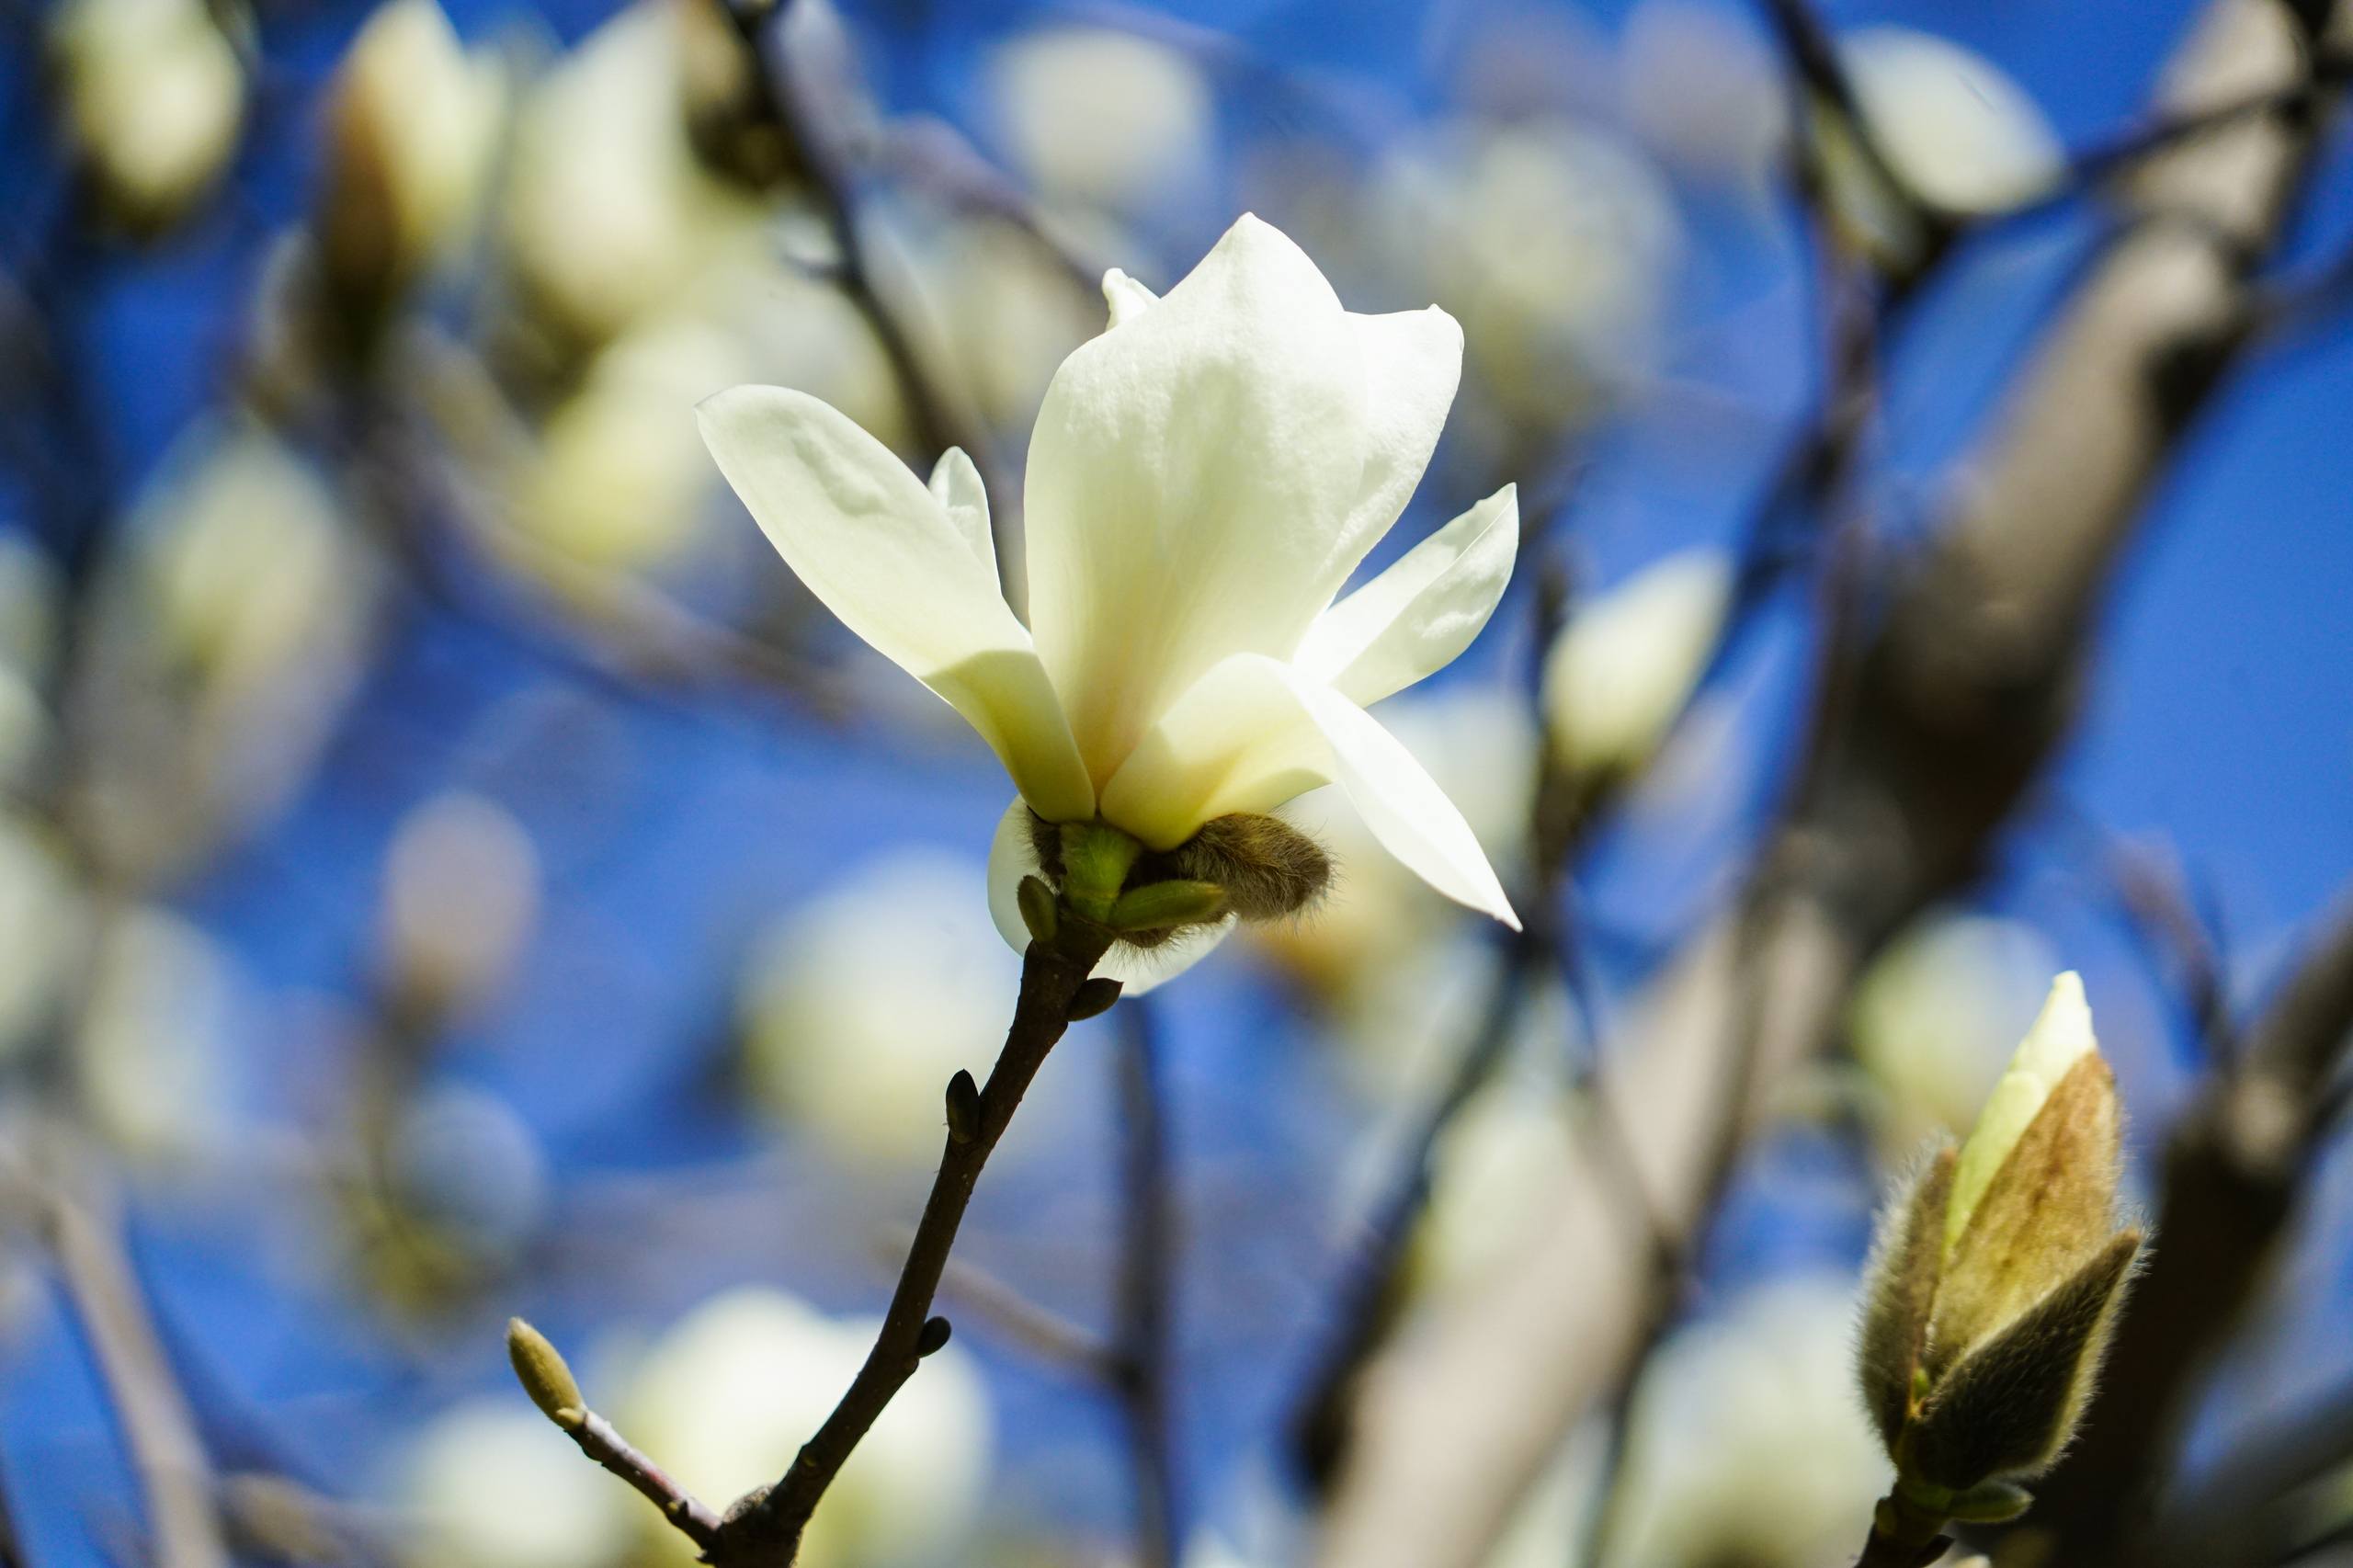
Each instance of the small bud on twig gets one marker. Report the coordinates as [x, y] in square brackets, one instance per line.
[963, 1106]
[1094, 998]
[540, 1369]
[1038, 911]
[934, 1336]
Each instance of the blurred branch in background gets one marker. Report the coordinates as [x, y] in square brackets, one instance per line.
[1959, 695]
[151, 1411]
[1142, 1354]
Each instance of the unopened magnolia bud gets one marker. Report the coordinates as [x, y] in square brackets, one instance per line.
[411, 126]
[153, 98]
[934, 1336]
[1268, 867]
[2010, 1406]
[1094, 998]
[963, 1106]
[540, 1369]
[1622, 670]
[1900, 1289]
[1995, 1279]
[1038, 911]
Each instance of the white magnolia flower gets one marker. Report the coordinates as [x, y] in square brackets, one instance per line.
[1202, 479]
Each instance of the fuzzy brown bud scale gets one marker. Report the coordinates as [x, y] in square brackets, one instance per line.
[1994, 1282]
[1245, 865]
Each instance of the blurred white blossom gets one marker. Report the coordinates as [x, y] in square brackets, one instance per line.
[620, 480]
[1704, 90]
[608, 211]
[153, 99]
[1747, 1443]
[41, 921]
[412, 124]
[228, 635]
[488, 1484]
[858, 1006]
[1555, 242]
[158, 1034]
[1937, 1014]
[463, 1162]
[730, 1393]
[1958, 132]
[461, 896]
[619, 477]
[1493, 1173]
[1622, 670]
[1011, 314]
[1101, 118]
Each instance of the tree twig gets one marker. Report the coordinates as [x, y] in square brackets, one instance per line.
[764, 1530]
[687, 1515]
[149, 1411]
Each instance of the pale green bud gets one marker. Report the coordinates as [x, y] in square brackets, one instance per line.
[2060, 1037]
[539, 1367]
[1160, 906]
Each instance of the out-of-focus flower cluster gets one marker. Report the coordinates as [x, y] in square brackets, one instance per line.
[461, 393]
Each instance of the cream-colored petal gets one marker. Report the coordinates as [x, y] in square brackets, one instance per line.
[871, 542]
[1254, 733]
[1412, 363]
[1417, 617]
[1138, 970]
[1127, 298]
[956, 485]
[1191, 485]
[2060, 1037]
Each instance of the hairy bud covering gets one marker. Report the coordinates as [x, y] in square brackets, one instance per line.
[1995, 1279]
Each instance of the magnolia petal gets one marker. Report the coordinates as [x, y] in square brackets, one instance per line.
[1254, 732]
[1191, 482]
[1413, 365]
[1417, 617]
[880, 552]
[956, 485]
[2060, 1037]
[1138, 970]
[1127, 298]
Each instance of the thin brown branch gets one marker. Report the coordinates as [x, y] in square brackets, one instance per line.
[690, 1517]
[764, 1532]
